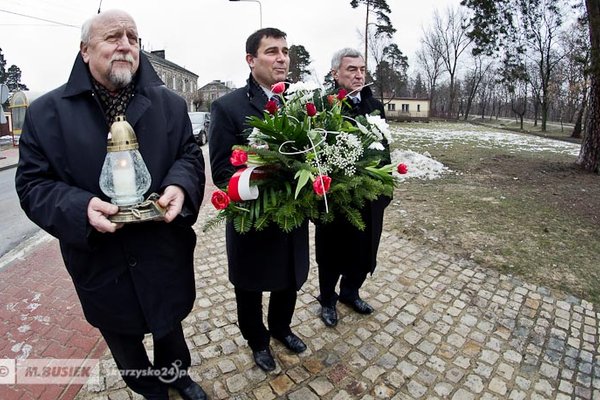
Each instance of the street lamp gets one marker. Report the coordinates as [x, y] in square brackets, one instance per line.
[259, 7]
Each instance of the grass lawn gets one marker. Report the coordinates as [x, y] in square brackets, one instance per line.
[512, 202]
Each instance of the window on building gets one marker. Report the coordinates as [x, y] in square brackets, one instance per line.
[405, 107]
[391, 107]
[418, 108]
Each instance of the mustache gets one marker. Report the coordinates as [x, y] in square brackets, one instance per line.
[122, 57]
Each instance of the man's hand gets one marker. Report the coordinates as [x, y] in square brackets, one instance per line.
[98, 212]
[172, 199]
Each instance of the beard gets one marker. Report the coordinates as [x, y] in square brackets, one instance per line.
[121, 77]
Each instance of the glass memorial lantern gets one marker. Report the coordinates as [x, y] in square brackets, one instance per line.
[125, 177]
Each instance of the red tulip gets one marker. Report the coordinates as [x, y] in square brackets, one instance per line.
[311, 109]
[402, 169]
[278, 87]
[238, 157]
[342, 94]
[321, 184]
[271, 107]
[220, 199]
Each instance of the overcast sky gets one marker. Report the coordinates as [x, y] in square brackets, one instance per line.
[206, 37]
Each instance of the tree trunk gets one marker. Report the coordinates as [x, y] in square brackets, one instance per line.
[544, 107]
[577, 128]
[577, 133]
[589, 155]
[521, 120]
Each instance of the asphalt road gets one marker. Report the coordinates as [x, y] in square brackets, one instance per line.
[15, 227]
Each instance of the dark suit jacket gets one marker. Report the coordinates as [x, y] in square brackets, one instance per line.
[341, 243]
[266, 260]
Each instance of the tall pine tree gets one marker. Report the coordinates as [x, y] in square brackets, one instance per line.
[383, 25]
[299, 62]
[12, 76]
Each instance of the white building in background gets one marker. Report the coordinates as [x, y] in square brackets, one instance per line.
[407, 109]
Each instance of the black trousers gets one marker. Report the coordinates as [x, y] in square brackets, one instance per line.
[352, 278]
[250, 315]
[151, 380]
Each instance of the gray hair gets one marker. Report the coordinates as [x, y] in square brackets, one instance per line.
[336, 60]
[86, 28]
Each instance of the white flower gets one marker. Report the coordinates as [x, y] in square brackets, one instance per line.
[302, 87]
[341, 155]
[381, 125]
[378, 122]
[376, 146]
[362, 128]
[256, 138]
[353, 140]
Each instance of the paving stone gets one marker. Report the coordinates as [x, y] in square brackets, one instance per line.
[416, 389]
[236, 383]
[474, 383]
[498, 386]
[282, 384]
[462, 394]
[298, 374]
[321, 386]
[303, 394]
[264, 393]
[383, 392]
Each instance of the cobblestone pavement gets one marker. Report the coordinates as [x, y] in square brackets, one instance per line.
[443, 329]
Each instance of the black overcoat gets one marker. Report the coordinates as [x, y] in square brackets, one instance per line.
[341, 243]
[141, 278]
[266, 260]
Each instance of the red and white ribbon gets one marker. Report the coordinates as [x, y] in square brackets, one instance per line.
[239, 188]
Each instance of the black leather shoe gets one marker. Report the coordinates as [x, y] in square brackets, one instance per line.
[329, 315]
[292, 342]
[264, 360]
[192, 392]
[358, 305]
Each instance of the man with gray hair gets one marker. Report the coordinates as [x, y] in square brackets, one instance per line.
[131, 279]
[341, 249]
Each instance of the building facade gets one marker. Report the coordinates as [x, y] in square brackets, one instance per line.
[407, 109]
[176, 78]
[210, 92]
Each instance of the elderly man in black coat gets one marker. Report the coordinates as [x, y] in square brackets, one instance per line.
[267, 260]
[131, 279]
[341, 249]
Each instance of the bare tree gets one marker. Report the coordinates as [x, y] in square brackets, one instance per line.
[448, 36]
[429, 60]
[576, 72]
[473, 79]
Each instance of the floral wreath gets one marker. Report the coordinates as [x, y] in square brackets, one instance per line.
[306, 139]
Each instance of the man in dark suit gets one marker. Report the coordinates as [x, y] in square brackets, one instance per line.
[341, 249]
[132, 279]
[268, 260]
